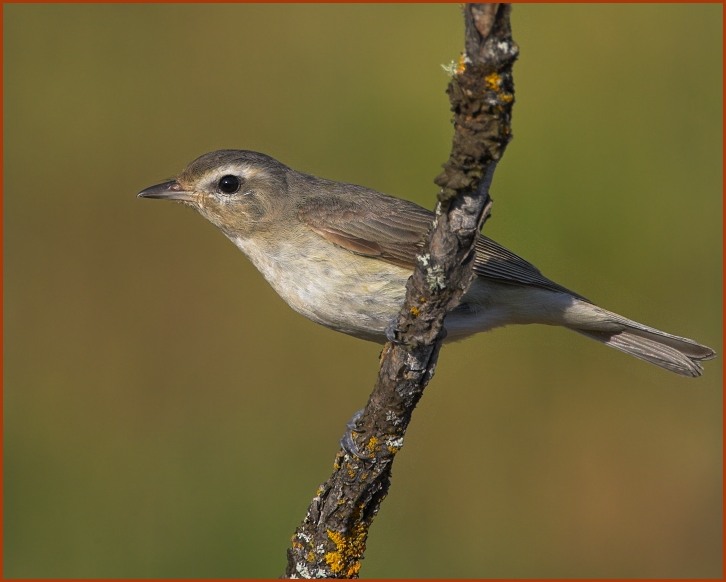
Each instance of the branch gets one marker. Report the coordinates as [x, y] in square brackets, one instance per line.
[331, 539]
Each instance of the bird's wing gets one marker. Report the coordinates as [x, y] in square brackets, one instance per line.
[386, 228]
[395, 230]
[493, 261]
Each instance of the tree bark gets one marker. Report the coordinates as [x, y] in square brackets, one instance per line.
[331, 540]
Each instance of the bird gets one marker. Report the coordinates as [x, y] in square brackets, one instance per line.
[340, 254]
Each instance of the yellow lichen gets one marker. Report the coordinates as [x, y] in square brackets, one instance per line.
[415, 311]
[348, 550]
[493, 81]
[461, 64]
[372, 444]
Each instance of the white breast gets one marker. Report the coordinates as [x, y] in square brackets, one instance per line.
[331, 286]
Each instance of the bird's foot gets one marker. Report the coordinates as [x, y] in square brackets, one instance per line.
[348, 442]
[391, 331]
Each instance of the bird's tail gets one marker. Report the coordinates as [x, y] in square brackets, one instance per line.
[677, 354]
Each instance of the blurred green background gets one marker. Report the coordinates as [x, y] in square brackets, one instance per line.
[167, 415]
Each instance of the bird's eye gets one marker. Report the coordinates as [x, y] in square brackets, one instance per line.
[229, 184]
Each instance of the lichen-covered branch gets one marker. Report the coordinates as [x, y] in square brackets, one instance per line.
[330, 541]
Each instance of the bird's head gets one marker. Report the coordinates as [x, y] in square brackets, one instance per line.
[241, 192]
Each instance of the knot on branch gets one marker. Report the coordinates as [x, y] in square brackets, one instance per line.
[482, 104]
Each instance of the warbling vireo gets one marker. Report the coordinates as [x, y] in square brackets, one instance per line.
[340, 254]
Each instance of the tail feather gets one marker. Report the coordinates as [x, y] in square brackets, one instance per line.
[677, 354]
[650, 350]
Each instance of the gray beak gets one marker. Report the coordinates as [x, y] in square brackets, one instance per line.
[169, 191]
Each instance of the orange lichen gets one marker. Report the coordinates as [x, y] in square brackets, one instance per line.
[461, 64]
[493, 81]
[372, 444]
[349, 548]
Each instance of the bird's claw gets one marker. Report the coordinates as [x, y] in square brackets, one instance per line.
[391, 331]
[348, 442]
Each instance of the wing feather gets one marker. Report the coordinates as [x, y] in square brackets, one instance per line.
[394, 230]
[380, 226]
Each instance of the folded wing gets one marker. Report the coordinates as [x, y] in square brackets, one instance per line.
[394, 230]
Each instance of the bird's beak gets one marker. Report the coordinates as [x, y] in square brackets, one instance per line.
[171, 190]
